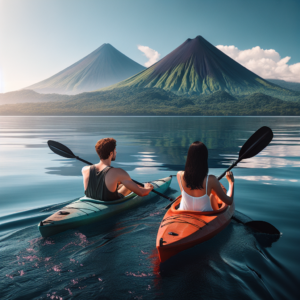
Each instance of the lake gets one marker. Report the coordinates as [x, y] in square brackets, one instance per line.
[82, 263]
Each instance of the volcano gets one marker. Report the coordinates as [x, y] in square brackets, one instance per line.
[198, 67]
[103, 67]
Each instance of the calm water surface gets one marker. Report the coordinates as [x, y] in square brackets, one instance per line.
[116, 259]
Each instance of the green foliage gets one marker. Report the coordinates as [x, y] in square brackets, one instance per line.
[141, 101]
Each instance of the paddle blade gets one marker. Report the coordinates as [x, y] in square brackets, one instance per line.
[60, 149]
[257, 142]
[262, 227]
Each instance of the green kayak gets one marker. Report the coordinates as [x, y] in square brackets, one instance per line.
[86, 210]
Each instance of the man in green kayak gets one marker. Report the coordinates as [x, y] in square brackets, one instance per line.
[103, 182]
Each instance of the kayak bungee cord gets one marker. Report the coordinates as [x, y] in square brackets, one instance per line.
[87, 202]
[256, 143]
[182, 222]
[259, 140]
[85, 210]
[81, 209]
[184, 216]
[71, 207]
[177, 219]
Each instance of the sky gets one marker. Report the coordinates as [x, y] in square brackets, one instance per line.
[39, 38]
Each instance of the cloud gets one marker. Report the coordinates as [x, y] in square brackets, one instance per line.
[151, 54]
[266, 63]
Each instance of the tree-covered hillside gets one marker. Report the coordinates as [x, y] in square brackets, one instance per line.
[197, 67]
[142, 101]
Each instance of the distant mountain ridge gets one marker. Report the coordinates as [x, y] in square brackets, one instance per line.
[103, 67]
[153, 101]
[198, 67]
[294, 86]
[196, 78]
[30, 96]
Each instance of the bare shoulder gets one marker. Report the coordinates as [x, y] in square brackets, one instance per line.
[212, 179]
[85, 170]
[118, 172]
[215, 183]
[179, 173]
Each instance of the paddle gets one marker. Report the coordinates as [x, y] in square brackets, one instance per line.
[253, 146]
[258, 226]
[257, 142]
[64, 151]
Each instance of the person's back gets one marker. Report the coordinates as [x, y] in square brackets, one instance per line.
[97, 188]
[101, 181]
[197, 187]
[196, 203]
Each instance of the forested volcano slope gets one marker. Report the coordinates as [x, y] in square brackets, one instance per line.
[198, 67]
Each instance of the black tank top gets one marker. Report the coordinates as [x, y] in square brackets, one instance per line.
[97, 189]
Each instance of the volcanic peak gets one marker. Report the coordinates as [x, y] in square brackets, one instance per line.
[103, 67]
[197, 67]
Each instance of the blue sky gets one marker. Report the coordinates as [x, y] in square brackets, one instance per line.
[40, 38]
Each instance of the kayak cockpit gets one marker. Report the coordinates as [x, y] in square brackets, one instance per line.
[87, 199]
[174, 209]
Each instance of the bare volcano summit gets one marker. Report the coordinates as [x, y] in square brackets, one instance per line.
[103, 67]
[198, 67]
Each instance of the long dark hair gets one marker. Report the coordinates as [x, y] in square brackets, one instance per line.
[196, 166]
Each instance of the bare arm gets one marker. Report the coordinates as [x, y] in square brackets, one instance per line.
[86, 175]
[125, 179]
[179, 179]
[217, 188]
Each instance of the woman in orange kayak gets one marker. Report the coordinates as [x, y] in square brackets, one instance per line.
[197, 187]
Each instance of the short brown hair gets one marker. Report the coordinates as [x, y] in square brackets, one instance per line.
[105, 146]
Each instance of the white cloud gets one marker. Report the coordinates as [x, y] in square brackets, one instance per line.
[265, 63]
[151, 54]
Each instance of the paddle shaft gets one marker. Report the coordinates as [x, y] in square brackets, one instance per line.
[231, 167]
[219, 178]
[87, 162]
[64, 151]
[235, 163]
[139, 183]
[242, 156]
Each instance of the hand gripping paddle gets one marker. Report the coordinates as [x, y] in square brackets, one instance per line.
[64, 151]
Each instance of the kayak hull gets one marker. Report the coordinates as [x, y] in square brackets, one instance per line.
[86, 210]
[181, 230]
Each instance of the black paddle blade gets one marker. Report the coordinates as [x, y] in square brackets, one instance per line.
[257, 142]
[262, 227]
[60, 149]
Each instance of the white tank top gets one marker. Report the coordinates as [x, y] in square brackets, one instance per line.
[195, 203]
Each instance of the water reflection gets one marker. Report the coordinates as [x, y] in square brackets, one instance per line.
[149, 148]
[265, 178]
[153, 141]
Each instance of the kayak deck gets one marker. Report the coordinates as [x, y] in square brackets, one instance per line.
[87, 210]
[182, 229]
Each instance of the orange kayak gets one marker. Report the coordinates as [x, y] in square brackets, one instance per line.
[183, 229]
